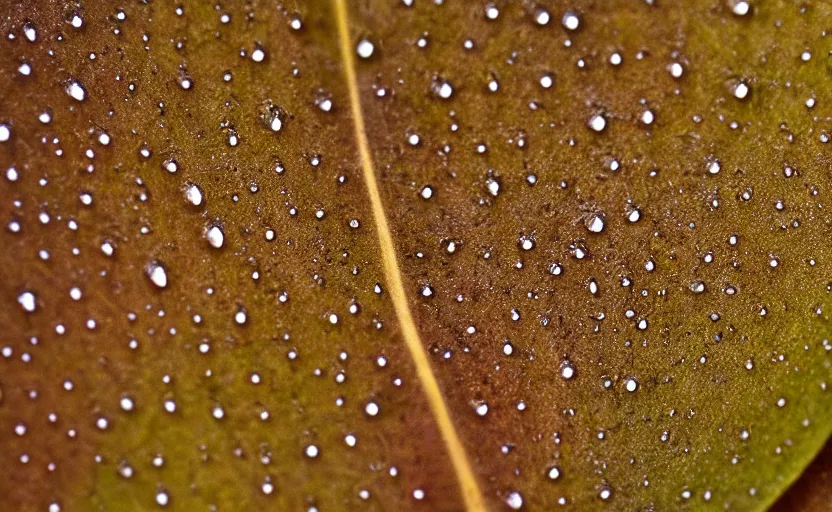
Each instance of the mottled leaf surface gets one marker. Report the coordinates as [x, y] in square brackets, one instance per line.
[286, 376]
[611, 220]
[813, 490]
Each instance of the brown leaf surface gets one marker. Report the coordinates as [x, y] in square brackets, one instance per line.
[642, 308]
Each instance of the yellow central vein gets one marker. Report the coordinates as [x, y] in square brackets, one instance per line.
[467, 482]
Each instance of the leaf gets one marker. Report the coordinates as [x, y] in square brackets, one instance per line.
[813, 491]
[365, 255]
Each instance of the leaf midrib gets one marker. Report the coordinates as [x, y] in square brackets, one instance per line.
[471, 494]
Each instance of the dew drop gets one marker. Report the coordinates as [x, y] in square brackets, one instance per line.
[76, 91]
[571, 21]
[740, 7]
[127, 403]
[371, 409]
[258, 55]
[514, 500]
[714, 167]
[27, 300]
[162, 498]
[597, 123]
[157, 274]
[595, 224]
[676, 70]
[442, 88]
[30, 32]
[567, 370]
[194, 195]
[740, 90]
[215, 237]
[365, 49]
[492, 12]
[107, 248]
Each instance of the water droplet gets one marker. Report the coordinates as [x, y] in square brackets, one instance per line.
[157, 274]
[596, 223]
[567, 370]
[107, 248]
[76, 91]
[542, 17]
[597, 123]
[492, 12]
[740, 90]
[481, 409]
[127, 403]
[30, 32]
[514, 501]
[372, 409]
[442, 88]
[162, 498]
[76, 21]
[215, 237]
[676, 70]
[714, 167]
[740, 7]
[571, 21]
[365, 49]
[194, 195]
[258, 55]
[28, 301]
[526, 243]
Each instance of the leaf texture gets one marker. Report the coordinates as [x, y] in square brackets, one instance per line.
[443, 256]
[813, 490]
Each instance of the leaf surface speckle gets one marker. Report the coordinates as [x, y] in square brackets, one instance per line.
[608, 221]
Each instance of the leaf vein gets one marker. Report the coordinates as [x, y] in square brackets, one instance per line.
[467, 481]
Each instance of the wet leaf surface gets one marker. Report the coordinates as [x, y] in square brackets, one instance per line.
[813, 490]
[610, 222]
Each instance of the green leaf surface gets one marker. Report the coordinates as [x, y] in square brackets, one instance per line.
[813, 490]
[443, 256]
